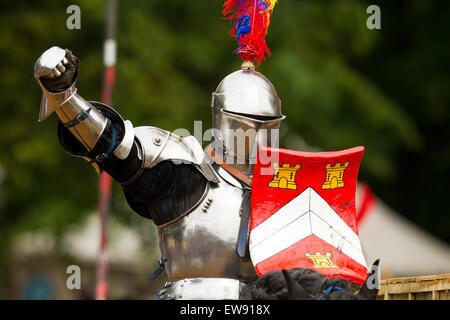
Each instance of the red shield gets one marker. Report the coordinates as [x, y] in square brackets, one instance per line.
[303, 213]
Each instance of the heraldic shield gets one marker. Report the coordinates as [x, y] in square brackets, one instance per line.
[303, 213]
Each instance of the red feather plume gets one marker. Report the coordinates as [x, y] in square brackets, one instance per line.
[251, 19]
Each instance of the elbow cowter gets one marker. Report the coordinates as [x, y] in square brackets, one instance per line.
[115, 151]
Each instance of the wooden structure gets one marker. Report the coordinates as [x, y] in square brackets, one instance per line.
[436, 287]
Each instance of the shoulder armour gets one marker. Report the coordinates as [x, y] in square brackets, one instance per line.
[159, 145]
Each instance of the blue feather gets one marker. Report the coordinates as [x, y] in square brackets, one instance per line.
[243, 26]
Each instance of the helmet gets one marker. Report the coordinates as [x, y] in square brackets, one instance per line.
[246, 112]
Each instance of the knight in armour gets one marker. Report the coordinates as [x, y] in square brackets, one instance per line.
[199, 199]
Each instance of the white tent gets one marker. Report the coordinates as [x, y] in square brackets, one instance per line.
[404, 249]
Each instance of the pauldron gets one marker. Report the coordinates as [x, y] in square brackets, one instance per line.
[157, 145]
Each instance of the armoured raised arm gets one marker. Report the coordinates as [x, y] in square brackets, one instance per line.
[56, 71]
[150, 163]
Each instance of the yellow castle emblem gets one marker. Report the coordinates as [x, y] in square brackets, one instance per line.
[335, 176]
[284, 177]
[322, 261]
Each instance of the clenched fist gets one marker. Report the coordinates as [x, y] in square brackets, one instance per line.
[57, 69]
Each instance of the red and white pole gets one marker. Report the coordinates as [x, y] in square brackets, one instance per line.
[109, 62]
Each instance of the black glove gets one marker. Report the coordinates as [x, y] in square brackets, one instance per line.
[67, 78]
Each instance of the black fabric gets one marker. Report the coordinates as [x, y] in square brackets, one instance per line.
[122, 170]
[165, 191]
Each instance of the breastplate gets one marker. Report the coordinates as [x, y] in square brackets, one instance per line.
[203, 241]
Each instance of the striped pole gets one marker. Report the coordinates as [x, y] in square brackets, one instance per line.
[109, 61]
